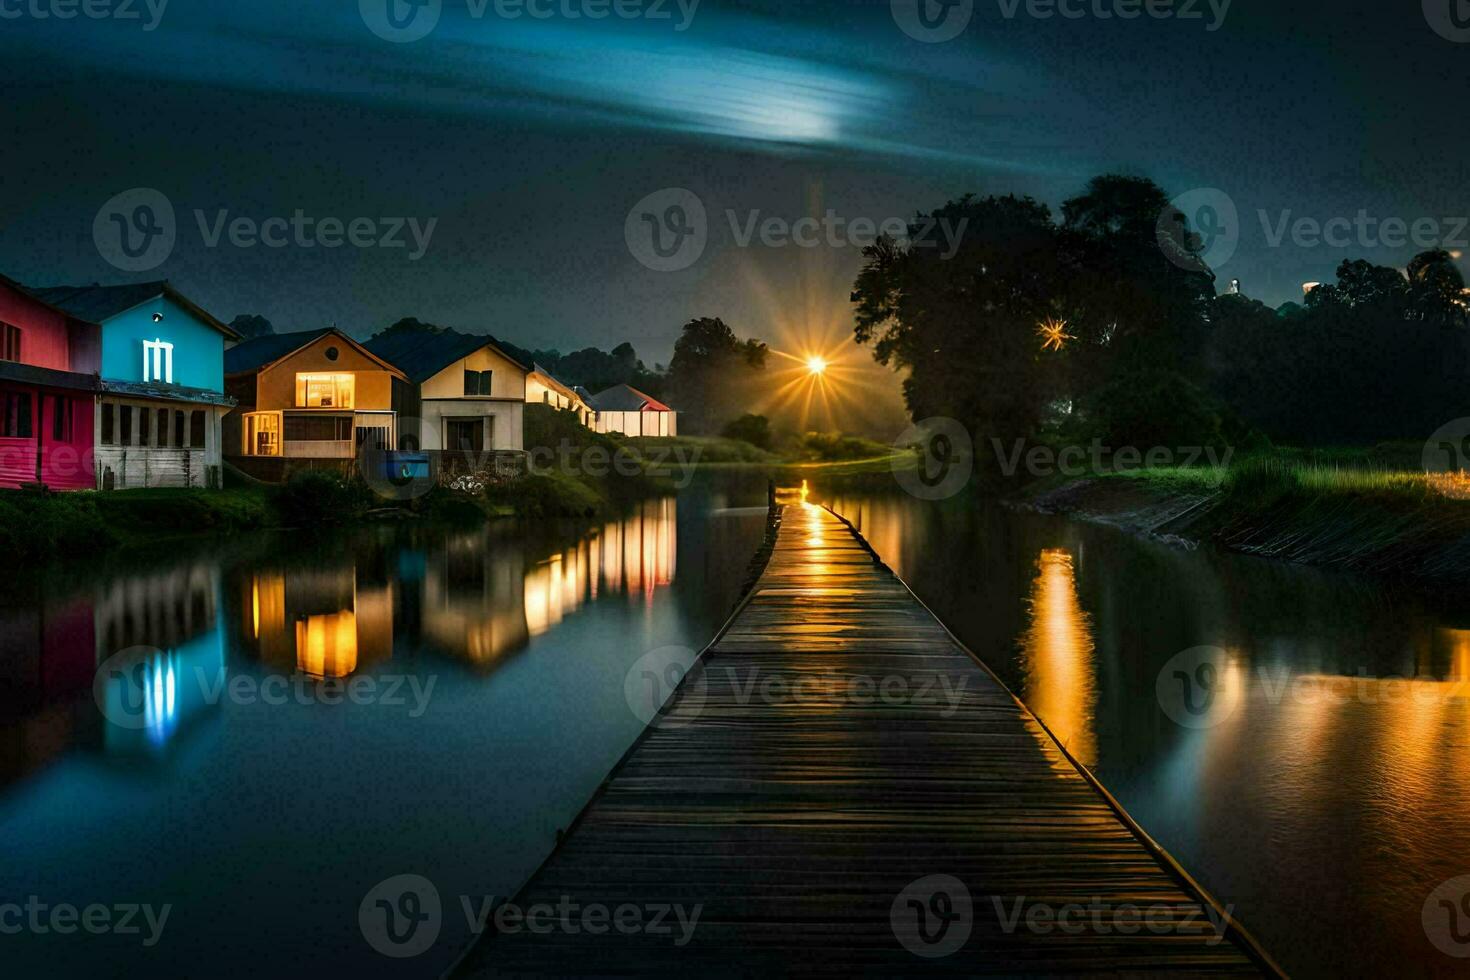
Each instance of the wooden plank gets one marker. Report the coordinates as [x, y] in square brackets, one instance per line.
[833, 747]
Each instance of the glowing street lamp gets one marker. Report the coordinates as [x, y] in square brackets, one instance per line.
[816, 365]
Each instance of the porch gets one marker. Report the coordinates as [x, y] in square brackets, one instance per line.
[315, 433]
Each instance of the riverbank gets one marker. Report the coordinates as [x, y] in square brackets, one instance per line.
[1383, 522]
[37, 525]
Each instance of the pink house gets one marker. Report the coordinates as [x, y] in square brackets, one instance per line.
[49, 367]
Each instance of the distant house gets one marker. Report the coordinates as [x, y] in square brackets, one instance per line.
[314, 395]
[467, 394]
[162, 393]
[543, 389]
[627, 410]
[49, 364]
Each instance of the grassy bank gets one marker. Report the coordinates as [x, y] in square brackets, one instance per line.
[1340, 510]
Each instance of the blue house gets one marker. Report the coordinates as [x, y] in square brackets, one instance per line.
[159, 415]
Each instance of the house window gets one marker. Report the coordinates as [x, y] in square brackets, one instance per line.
[324, 391]
[163, 428]
[15, 415]
[9, 342]
[178, 428]
[477, 382]
[375, 436]
[125, 428]
[61, 418]
[318, 428]
[196, 429]
[262, 434]
[109, 433]
[145, 426]
[158, 361]
[466, 435]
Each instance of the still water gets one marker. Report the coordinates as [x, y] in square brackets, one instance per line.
[1325, 801]
[395, 701]
[1325, 794]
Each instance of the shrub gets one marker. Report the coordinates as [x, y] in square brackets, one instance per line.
[831, 447]
[1160, 408]
[754, 429]
[312, 497]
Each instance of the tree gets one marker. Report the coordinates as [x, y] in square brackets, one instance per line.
[714, 375]
[964, 327]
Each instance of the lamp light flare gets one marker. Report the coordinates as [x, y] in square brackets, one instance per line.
[816, 365]
[1053, 334]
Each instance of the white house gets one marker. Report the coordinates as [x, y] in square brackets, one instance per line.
[543, 389]
[471, 395]
[625, 409]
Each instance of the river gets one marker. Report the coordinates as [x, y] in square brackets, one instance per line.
[256, 732]
[1325, 794]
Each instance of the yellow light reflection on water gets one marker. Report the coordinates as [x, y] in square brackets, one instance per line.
[1057, 655]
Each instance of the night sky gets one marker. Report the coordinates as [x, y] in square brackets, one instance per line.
[528, 141]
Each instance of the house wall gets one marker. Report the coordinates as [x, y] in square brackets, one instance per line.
[45, 340]
[128, 467]
[537, 393]
[507, 432]
[275, 387]
[639, 423]
[507, 379]
[199, 349]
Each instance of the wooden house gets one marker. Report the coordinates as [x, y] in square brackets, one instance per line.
[159, 413]
[314, 398]
[49, 363]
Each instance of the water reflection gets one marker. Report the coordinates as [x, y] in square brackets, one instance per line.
[321, 622]
[1057, 656]
[1332, 798]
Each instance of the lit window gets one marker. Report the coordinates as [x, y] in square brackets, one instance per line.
[324, 390]
[158, 361]
[9, 342]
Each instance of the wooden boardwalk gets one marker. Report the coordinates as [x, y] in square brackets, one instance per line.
[833, 747]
